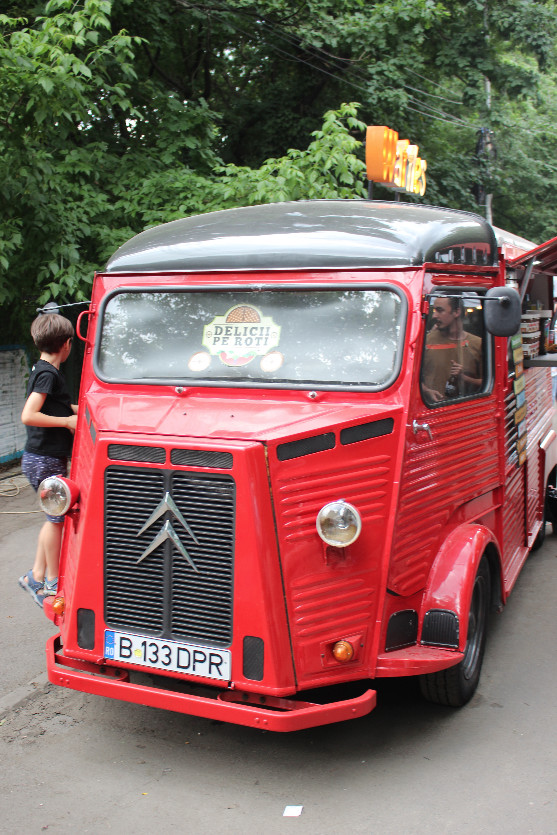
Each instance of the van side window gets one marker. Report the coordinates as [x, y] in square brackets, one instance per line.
[454, 361]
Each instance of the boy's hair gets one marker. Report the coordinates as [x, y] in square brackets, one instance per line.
[50, 332]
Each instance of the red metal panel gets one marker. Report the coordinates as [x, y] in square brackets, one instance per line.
[412, 661]
[300, 497]
[545, 254]
[227, 706]
[524, 488]
[538, 423]
[451, 580]
[82, 474]
[513, 522]
[514, 533]
[440, 475]
[258, 598]
[334, 593]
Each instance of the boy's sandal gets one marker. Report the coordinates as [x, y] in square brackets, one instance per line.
[49, 589]
[34, 587]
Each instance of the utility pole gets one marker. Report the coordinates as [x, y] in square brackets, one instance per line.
[486, 152]
[490, 148]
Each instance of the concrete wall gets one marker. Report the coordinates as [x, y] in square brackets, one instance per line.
[14, 371]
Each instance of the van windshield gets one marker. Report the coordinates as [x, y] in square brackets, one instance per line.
[296, 338]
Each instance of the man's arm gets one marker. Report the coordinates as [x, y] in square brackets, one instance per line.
[431, 395]
[457, 371]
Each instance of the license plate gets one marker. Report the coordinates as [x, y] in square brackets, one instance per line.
[160, 654]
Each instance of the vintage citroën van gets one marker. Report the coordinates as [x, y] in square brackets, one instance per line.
[309, 452]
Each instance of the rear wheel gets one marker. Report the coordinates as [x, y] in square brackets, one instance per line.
[456, 686]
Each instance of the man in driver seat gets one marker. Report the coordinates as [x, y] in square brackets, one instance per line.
[452, 365]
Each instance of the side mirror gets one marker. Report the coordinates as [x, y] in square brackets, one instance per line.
[502, 310]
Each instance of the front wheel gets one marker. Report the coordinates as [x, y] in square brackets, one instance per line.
[456, 686]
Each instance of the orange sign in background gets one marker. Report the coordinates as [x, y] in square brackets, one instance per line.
[394, 162]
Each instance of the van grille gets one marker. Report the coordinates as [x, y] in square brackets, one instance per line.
[158, 591]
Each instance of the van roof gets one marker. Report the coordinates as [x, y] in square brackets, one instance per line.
[310, 234]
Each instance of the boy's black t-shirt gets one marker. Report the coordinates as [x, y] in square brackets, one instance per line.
[50, 440]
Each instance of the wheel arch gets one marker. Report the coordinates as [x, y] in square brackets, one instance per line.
[548, 447]
[451, 579]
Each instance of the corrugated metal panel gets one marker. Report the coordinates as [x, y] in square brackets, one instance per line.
[511, 432]
[538, 398]
[325, 602]
[300, 498]
[513, 514]
[513, 520]
[539, 406]
[318, 604]
[440, 475]
[14, 370]
[521, 511]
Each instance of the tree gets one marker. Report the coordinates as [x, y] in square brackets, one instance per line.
[55, 82]
[83, 167]
[120, 114]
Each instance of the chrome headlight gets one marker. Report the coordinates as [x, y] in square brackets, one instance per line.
[339, 524]
[57, 495]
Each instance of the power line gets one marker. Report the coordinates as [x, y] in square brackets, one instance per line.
[431, 95]
[353, 76]
[441, 115]
[344, 66]
[441, 119]
[351, 68]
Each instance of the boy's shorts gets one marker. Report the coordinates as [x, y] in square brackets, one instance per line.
[36, 468]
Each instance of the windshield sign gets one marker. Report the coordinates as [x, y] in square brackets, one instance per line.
[325, 338]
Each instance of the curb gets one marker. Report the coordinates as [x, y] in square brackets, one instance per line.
[20, 695]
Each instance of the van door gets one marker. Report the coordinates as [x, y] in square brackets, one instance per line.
[451, 467]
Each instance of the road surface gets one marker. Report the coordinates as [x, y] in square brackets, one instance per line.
[79, 763]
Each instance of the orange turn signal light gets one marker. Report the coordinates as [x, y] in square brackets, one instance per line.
[58, 605]
[343, 651]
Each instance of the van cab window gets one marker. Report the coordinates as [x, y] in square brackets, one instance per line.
[297, 338]
[454, 358]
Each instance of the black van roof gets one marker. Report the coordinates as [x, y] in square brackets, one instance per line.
[310, 234]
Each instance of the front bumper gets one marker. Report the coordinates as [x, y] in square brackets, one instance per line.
[252, 710]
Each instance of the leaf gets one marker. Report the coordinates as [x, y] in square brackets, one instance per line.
[47, 84]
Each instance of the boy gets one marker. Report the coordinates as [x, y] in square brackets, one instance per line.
[50, 418]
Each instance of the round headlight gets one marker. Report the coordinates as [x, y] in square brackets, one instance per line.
[56, 495]
[339, 524]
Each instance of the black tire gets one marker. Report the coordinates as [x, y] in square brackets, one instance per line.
[551, 503]
[456, 686]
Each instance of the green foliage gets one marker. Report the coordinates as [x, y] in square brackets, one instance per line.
[55, 83]
[116, 115]
[82, 168]
[330, 167]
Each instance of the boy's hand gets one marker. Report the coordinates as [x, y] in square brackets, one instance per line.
[71, 422]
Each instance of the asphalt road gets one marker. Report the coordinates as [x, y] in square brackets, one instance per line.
[78, 763]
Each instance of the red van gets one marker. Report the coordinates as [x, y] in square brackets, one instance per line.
[310, 452]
